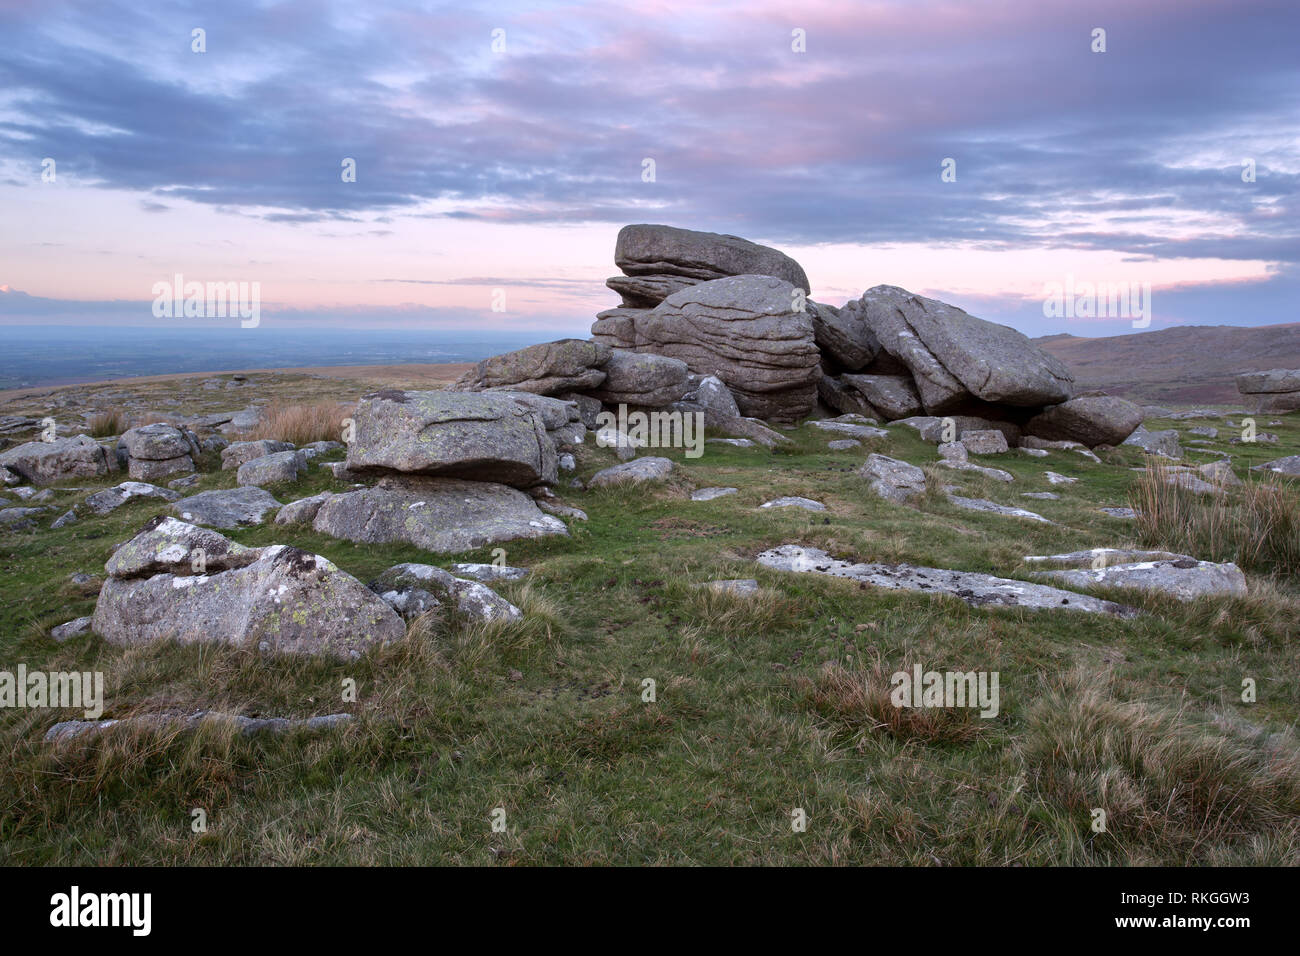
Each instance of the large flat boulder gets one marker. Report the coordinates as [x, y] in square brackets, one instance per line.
[1179, 575]
[159, 442]
[893, 479]
[1100, 420]
[1271, 381]
[747, 331]
[110, 499]
[647, 291]
[643, 249]
[954, 356]
[227, 507]
[485, 436]
[545, 369]
[276, 468]
[444, 515]
[239, 452]
[45, 462]
[284, 600]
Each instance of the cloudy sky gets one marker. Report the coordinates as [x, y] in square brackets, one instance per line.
[501, 146]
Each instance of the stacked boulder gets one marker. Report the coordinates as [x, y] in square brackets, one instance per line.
[1277, 390]
[725, 306]
[157, 451]
[453, 469]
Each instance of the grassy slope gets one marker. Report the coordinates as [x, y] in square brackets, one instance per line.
[761, 704]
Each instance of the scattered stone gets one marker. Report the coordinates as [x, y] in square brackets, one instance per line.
[843, 444]
[977, 590]
[1054, 479]
[984, 442]
[110, 499]
[277, 468]
[1041, 495]
[849, 429]
[991, 507]
[632, 472]
[1119, 512]
[240, 452]
[997, 474]
[1156, 443]
[794, 502]
[189, 481]
[72, 629]
[733, 442]
[1033, 452]
[708, 494]
[67, 518]
[1205, 431]
[566, 462]
[489, 572]
[473, 599]
[562, 511]
[1220, 472]
[70, 729]
[304, 510]
[1289, 465]
[892, 479]
[740, 587]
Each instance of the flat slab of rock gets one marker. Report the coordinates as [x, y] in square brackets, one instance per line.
[304, 510]
[1272, 380]
[70, 630]
[977, 590]
[443, 515]
[484, 436]
[645, 249]
[997, 474]
[489, 572]
[110, 499]
[794, 501]
[992, 507]
[1156, 443]
[1179, 575]
[1289, 465]
[473, 599]
[843, 444]
[708, 494]
[632, 472]
[1119, 512]
[893, 479]
[893, 395]
[1056, 479]
[642, 378]
[740, 587]
[284, 600]
[227, 508]
[849, 429]
[70, 729]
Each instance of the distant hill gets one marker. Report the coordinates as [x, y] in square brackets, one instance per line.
[1185, 364]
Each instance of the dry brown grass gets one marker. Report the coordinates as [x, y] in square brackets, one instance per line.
[303, 424]
[1256, 525]
[859, 699]
[105, 424]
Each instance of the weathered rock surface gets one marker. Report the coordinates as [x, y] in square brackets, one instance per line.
[894, 396]
[159, 442]
[1276, 390]
[486, 436]
[1180, 575]
[844, 337]
[110, 499]
[285, 600]
[992, 507]
[227, 508]
[66, 730]
[644, 249]
[1091, 421]
[643, 378]
[443, 515]
[43, 463]
[794, 501]
[545, 369]
[892, 479]
[632, 472]
[988, 441]
[747, 331]
[708, 494]
[239, 452]
[954, 356]
[647, 291]
[1290, 465]
[277, 468]
[304, 510]
[977, 590]
[473, 599]
[1156, 443]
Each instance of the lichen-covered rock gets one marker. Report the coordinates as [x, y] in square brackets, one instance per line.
[443, 515]
[637, 471]
[647, 291]
[304, 510]
[168, 546]
[844, 337]
[228, 507]
[548, 368]
[149, 469]
[285, 600]
[239, 452]
[987, 441]
[475, 600]
[485, 436]
[45, 462]
[1156, 443]
[1179, 575]
[110, 499]
[892, 479]
[159, 442]
[276, 468]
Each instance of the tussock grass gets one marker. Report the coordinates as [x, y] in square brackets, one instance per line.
[1164, 780]
[302, 424]
[1256, 525]
[105, 424]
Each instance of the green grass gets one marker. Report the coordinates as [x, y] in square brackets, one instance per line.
[763, 705]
